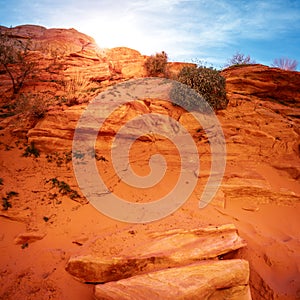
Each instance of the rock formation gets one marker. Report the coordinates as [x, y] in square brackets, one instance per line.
[181, 264]
[206, 280]
[259, 194]
[168, 249]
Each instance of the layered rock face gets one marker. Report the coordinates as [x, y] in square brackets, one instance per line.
[278, 89]
[63, 54]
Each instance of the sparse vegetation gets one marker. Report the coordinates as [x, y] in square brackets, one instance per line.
[100, 158]
[6, 200]
[33, 105]
[239, 59]
[15, 59]
[64, 188]
[31, 150]
[156, 65]
[207, 82]
[59, 159]
[46, 219]
[25, 245]
[76, 88]
[284, 63]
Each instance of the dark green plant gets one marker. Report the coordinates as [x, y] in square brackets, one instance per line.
[66, 157]
[78, 155]
[156, 65]
[25, 245]
[100, 158]
[64, 188]
[5, 200]
[207, 82]
[31, 150]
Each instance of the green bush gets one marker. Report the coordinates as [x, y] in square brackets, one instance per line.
[156, 65]
[208, 83]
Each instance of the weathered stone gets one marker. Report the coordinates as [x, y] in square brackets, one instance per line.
[226, 279]
[169, 249]
[29, 237]
[264, 83]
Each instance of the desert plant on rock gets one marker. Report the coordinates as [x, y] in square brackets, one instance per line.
[76, 88]
[31, 150]
[16, 60]
[207, 82]
[285, 63]
[64, 188]
[239, 59]
[32, 105]
[6, 204]
[156, 65]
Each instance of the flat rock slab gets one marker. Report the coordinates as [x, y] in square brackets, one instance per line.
[29, 237]
[169, 249]
[210, 279]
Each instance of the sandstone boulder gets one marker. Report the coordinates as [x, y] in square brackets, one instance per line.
[29, 237]
[169, 249]
[205, 280]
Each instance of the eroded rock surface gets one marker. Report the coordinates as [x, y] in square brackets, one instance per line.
[226, 280]
[170, 249]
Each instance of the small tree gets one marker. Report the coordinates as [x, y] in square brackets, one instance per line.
[239, 59]
[14, 58]
[156, 64]
[285, 64]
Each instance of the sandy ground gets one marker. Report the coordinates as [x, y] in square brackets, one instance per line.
[262, 201]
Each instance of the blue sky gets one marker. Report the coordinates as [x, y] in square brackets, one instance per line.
[207, 30]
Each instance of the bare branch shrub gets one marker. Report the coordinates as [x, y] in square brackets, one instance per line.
[15, 58]
[285, 63]
[239, 59]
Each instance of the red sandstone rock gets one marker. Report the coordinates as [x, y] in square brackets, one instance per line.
[226, 280]
[264, 83]
[168, 249]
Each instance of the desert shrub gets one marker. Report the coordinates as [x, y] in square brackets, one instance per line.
[285, 64]
[77, 88]
[31, 150]
[239, 59]
[207, 82]
[32, 105]
[156, 65]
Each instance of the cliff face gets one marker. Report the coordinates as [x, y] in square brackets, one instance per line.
[62, 54]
